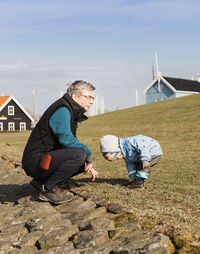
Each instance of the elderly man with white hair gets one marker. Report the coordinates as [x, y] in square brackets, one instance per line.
[53, 154]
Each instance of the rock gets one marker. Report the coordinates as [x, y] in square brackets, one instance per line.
[85, 221]
[65, 248]
[56, 237]
[12, 232]
[83, 217]
[86, 225]
[5, 246]
[29, 250]
[144, 242]
[102, 223]
[125, 230]
[182, 239]
[45, 223]
[85, 239]
[68, 207]
[189, 250]
[30, 239]
[122, 218]
[186, 244]
[86, 205]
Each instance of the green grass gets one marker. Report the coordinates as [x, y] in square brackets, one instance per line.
[171, 198]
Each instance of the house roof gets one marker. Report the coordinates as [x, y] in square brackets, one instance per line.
[184, 84]
[178, 85]
[4, 100]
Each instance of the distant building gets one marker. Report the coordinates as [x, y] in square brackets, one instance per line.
[165, 88]
[13, 117]
[98, 107]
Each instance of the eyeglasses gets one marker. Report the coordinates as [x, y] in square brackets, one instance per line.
[88, 97]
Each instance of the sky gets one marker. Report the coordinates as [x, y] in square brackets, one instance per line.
[47, 44]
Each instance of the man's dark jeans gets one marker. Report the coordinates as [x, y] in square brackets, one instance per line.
[65, 163]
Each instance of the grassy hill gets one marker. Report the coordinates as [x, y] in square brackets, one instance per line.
[171, 199]
[172, 192]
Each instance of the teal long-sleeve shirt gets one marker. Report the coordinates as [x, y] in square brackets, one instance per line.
[60, 125]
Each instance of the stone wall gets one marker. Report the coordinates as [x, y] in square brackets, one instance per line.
[87, 224]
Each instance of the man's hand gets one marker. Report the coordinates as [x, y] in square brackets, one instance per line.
[146, 164]
[89, 168]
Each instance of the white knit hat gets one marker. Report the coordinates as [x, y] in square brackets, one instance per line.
[109, 143]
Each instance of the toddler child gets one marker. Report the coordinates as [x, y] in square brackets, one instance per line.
[139, 152]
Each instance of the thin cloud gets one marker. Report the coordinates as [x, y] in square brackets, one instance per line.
[156, 9]
[17, 17]
[60, 9]
[103, 72]
[21, 16]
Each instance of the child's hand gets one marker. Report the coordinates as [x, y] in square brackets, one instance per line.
[146, 164]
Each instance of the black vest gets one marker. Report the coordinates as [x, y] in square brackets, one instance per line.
[42, 140]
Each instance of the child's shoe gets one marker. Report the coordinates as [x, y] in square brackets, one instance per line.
[137, 183]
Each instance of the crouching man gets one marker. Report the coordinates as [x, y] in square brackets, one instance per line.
[53, 154]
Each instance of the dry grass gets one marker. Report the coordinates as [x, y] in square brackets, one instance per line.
[171, 198]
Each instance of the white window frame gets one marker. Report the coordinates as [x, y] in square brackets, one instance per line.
[22, 126]
[11, 126]
[11, 110]
[1, 126]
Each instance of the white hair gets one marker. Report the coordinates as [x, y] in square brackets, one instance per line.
[78, 86]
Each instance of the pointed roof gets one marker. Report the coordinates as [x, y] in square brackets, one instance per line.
[184, 84]
[4, 100]
[178, 85]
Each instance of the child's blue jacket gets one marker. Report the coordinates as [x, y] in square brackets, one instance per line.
[138, 148]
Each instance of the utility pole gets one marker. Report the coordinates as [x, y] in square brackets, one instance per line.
[158, 73]
[33, 108]
[153, 76]
[137, 98]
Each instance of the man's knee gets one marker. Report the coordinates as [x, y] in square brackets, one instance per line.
[80, 154]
